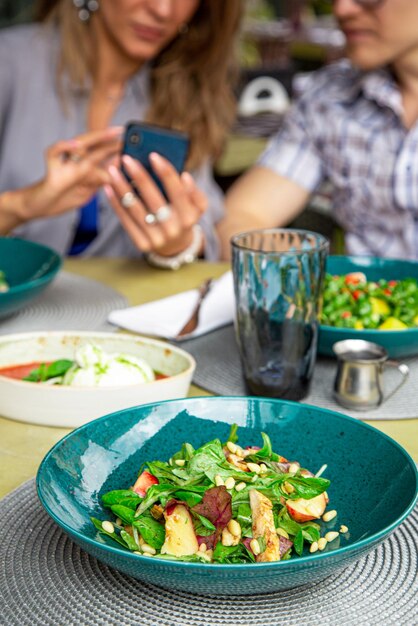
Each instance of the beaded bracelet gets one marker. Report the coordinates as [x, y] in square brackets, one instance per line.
[188, 255]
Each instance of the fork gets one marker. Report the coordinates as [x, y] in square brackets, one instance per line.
[193, 320]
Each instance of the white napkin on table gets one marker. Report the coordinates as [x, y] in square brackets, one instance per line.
[166, 317]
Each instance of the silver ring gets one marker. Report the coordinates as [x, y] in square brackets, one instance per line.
[163, 213]
[128, 199]
[150, 219]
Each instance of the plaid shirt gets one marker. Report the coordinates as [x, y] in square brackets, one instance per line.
[347, 128]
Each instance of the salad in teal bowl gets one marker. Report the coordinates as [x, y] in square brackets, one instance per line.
[227, 495]
[373, 299]
[26, 269]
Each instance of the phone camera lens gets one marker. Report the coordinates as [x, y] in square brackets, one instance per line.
[134, 138]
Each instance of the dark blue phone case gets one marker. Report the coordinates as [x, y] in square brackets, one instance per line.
[142, 139]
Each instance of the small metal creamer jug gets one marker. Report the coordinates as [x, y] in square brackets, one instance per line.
[359, 380]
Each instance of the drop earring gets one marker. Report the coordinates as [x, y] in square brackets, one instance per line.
[85, 8]
[183, 29]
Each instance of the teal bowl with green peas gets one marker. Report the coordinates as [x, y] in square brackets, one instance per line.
[227, 495]
[370, 298]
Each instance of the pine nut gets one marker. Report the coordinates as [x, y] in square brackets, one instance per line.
[314, 547]
[227, 538]
[219, 481]
[331, 535]
[108, 527]
[180, 462]
[240, 452]
[322, 543]
[234, 528]
[203, 547]
[239, 486]
[343, 529]
[231, 447]
[253, 467]
[137, 552]
[147, 549]
[255, 547]
[254, 478]
[230, 483]
[118, 521]
[293, 468]
[209, 554]
[263, 468]
[146, 554]
[282, 533]
[288, 488]
[329, 515]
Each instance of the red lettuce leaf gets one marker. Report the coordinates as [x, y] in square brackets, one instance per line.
[216, 506]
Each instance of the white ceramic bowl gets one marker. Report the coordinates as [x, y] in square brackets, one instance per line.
[75, 406]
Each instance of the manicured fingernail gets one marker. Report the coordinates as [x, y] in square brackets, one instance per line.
[116, 130]
[108, 191]
[188, 180]
[156, 159]
[114, 172]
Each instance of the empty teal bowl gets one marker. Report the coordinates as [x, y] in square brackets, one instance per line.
[28, 267]
[373, 483]
[398, 343]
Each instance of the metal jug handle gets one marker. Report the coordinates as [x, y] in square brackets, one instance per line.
[403, 370]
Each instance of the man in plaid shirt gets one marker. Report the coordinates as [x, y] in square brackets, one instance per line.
[356, 125]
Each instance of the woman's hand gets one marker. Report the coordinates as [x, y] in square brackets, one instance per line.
[152, 224]
[75, 170]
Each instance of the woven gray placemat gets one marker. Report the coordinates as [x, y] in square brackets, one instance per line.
[47, 580]
[219, 371]
[71, 302]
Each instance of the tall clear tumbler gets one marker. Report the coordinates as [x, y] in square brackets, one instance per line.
[278, 279]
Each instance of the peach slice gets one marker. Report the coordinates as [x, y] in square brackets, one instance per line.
[180, 538]
[144, 482]
[305, 510]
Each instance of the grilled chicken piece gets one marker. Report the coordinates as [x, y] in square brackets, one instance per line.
[263, 526]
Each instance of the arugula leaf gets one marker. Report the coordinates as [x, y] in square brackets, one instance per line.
[244, 518]
[232, 554]
[298, 542]
[202, 526]
[164, 472]
[308, 487]
[98, 525]
[205, 522]
[126, 514]
[310, 533]
[45, 372]
[233, 436]
[118, 495]
[186, 453]
[262, 543]
[189, 497]
[130, 541]
[152, 532]
[311, 529]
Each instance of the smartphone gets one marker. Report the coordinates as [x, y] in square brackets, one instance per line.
[142, 139]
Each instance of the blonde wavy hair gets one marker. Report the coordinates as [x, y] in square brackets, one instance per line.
[192, 79]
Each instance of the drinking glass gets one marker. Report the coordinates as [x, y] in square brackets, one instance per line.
[278, 280]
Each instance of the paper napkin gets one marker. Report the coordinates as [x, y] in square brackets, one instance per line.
[166, 317]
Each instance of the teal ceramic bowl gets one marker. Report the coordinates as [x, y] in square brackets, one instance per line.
[28, 267]
[398, 343]
[374, 482]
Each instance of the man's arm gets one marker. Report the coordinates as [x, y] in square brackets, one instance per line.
[259, 199]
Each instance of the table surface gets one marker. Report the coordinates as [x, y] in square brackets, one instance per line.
[22, 446]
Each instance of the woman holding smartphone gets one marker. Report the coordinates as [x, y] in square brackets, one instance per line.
[99, 63]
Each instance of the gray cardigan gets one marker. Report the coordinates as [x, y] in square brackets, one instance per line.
[32, 118]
